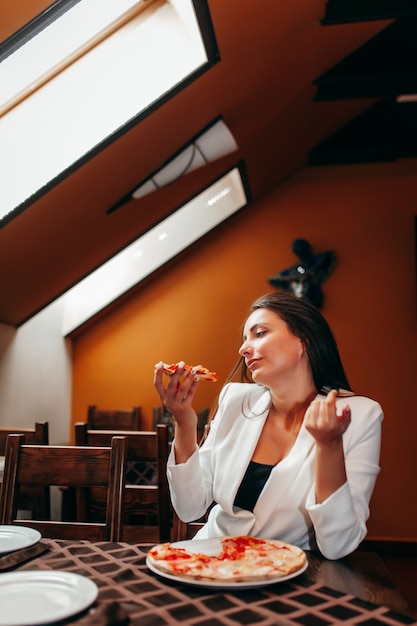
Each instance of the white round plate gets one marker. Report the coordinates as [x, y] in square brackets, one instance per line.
[17, 537]
[43, 597]
[213, 547]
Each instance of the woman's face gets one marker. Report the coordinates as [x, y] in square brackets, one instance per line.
[270, 350]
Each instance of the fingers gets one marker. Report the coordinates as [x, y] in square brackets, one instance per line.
[320, 411]
[323, 421]
[181, 386]
[186, 384]
[331, 397]
[345, 416]
[326, 409]
[157, 380]
[187, 393]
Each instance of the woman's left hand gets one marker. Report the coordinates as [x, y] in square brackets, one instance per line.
[322, 421]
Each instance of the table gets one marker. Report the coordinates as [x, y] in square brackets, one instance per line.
[354, 590]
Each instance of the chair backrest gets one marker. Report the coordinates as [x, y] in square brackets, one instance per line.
[32, 500]
[38, 434]
[114, 419]
[185, 530]
[161, 415]
[147, 505]
[66, 466]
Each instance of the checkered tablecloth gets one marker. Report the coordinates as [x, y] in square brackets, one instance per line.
[122, 576]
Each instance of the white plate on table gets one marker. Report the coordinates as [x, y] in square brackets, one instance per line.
[17, 537]
[43, 597]
[213, 547]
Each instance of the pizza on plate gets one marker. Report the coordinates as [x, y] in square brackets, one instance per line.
[240, 559]
[202, 373]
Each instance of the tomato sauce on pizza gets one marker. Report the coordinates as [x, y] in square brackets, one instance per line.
[241, 559]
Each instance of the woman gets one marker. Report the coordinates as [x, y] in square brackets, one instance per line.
[292, 453]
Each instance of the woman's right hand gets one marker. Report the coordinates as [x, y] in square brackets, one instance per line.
[178, 397]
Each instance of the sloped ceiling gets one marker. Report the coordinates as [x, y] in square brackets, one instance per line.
[271, 54]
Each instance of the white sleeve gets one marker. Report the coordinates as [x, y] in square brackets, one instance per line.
[340, 521]
[188, 496]
[191, 483]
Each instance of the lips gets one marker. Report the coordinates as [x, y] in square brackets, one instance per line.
[251, 363]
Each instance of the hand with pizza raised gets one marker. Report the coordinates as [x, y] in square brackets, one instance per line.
[178, 397]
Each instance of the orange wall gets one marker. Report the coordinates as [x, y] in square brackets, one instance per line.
[194, 310]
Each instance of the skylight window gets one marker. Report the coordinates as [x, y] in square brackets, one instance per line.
[58, 44]
[153, 249]
[122, 59]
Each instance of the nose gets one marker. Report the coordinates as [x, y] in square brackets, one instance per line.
[244, 348]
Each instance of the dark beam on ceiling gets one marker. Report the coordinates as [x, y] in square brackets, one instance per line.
[385, 132]
[384, 67]
[343, 11]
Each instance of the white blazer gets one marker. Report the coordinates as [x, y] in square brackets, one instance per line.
[286, 508]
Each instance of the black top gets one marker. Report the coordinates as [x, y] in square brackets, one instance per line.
[252, 484]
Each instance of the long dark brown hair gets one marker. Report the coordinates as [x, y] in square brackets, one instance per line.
[307, 324]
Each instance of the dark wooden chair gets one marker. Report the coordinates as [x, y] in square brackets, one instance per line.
[114, 419]
[147, 506]
[161, 415]
[187, 530]
[38, 434]
[81, 467]
[32, 500]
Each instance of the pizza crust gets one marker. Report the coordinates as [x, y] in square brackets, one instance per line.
[241, 559]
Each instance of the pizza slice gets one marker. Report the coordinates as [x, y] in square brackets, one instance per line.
[172, 559]
[202, 373]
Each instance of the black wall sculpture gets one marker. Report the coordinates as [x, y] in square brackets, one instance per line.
[305, 277]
